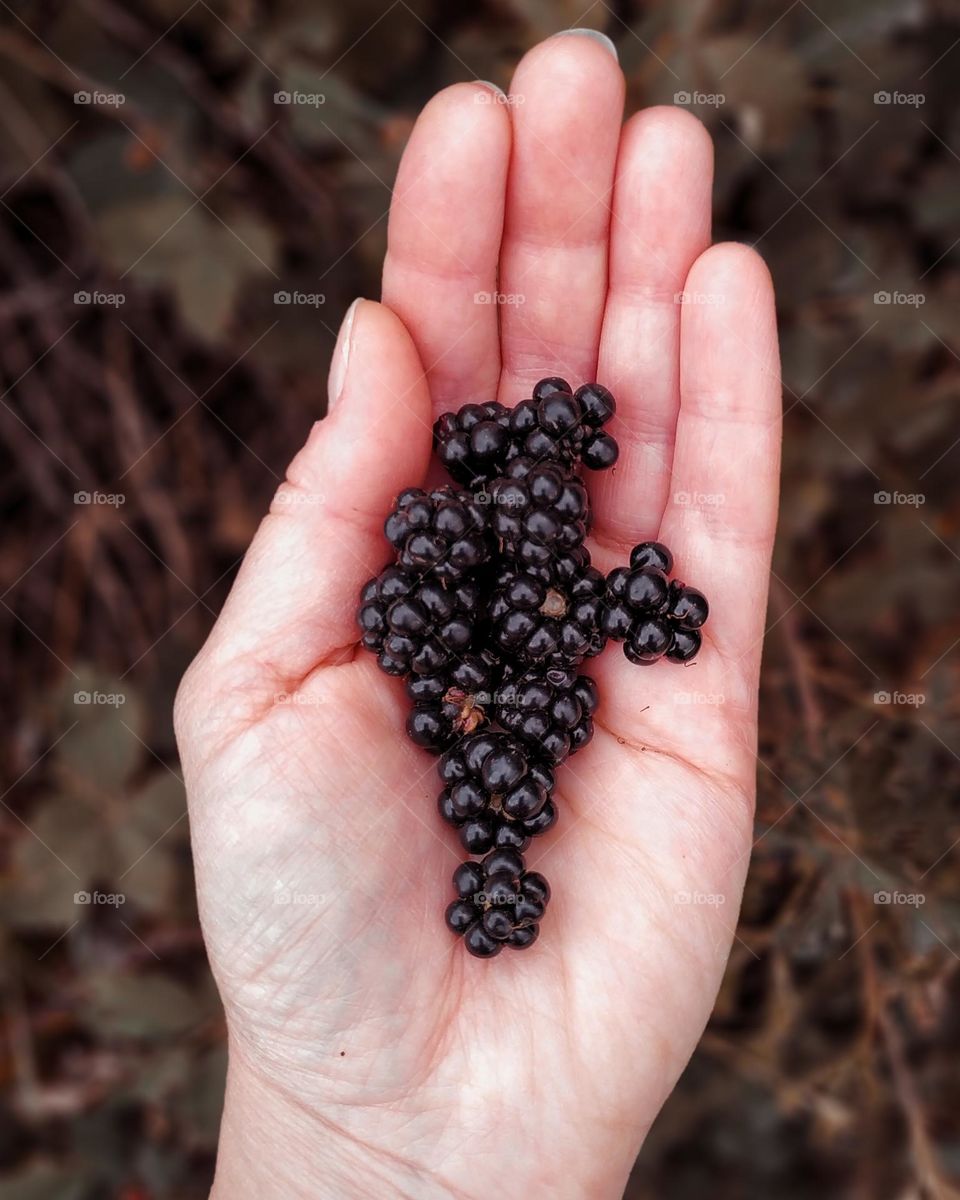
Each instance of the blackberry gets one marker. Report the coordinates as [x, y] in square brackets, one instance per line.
[414, 623]
[538, 508]
[451, 703]
[559, 425]
[549, 615]
[496, 793]
[551, 709]
[443, 531]
[499, 903]
[652, 616]
[474, 444]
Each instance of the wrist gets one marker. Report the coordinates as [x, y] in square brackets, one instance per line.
[271, 1146]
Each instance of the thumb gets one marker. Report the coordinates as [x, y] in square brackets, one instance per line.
[292, 605]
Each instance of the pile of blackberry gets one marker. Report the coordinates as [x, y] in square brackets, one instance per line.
[488, 612]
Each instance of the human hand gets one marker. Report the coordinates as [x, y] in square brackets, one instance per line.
[369, 1055]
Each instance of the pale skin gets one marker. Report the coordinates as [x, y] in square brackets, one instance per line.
[369, 1055]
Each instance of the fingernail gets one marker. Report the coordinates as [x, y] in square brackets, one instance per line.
[494, 87]
[341, 356]
[592, 33]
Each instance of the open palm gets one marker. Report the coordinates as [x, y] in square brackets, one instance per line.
[369, 1053]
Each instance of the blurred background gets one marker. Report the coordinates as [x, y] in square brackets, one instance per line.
[177, 248]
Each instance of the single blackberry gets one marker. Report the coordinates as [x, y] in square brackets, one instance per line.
[559, 425]
[415, 624]
[652, 616]
[443, 531]
[538, 509]
[451, 703]
[551, 709]
[474, 444]
[549, 614]
[499, 903]
[495, 792]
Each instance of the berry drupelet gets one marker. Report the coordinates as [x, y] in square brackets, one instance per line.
[499, 903]
[415, 624]
[443, 531]
[496, 792]
[652, 616]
